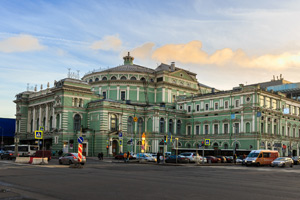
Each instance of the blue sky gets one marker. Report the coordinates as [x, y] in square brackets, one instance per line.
[225, 42]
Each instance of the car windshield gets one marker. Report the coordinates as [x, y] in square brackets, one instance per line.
[253, 155]
[295, 157]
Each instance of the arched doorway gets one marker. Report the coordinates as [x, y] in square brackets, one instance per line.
[115, 147]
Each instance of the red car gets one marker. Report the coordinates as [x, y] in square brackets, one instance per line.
[212, 159]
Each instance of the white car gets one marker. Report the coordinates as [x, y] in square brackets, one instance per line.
[145, 156]
[191, 156]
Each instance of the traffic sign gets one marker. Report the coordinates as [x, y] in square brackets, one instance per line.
[38, 135]
[80, 140]
[121, 142]
[135, 119]
[42, 128]
[120, 134]
[207, 142]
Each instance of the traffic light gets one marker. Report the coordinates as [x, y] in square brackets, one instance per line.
[165, 139]
[202, 143]
[107, 147]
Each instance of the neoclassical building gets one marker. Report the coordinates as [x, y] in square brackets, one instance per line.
[115, 107]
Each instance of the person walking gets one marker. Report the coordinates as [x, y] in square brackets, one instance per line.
[101, 155]
[128, 156]
[158, 157]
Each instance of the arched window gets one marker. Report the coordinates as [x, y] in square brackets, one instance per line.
[113, 123]
[96, 79]
[123, 78]
[140, 125]
[104, 79]
[113, 78]
[171, 129]
[142, 79]
[225, 146]
[162, 125]
[37, 124]
[247, 127]
[236, 146]
[91, 80]
[133, 78]
[130, 125]
[188, 145]
[57, 121]
[178, 127]
[77, 123]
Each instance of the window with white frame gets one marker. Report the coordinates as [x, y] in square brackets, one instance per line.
[216, 128]
[206, 106]
[226, 129]
[197, 130]
[198, 108]
[226, 104]
[216, 106]
[56, 140]
[189, 130]
[237, 103]
[236, 127]
[189, 108]
[123, 95]
[104, 94]
[206, 129]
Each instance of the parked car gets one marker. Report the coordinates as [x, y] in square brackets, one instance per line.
[9, 155]
[212, 159]
[229, 159]
[223, 159]
[180, 159]
[1, 151]
[71, 158]
[282, 162]
[145, 156]
[120, 156]
[191, 156]
[155, 156]
[296, 160]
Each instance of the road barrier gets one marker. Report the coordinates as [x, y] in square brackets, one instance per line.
[22, 160]
[38, 161]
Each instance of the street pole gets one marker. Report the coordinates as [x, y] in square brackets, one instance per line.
[176, 148]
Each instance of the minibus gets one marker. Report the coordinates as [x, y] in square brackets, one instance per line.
[261, 157]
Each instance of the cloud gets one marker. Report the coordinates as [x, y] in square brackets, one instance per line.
[21, 43]
[192, 53]
[144, 51]
[107, 43]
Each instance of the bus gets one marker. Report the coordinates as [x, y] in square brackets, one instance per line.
[23, 149]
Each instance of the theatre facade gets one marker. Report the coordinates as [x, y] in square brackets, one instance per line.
[132, 108]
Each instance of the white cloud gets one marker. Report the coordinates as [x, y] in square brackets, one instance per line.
[21, 43]
[107, 43]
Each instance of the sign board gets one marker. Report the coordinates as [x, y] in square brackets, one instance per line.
[232, 116]
[42, 128]
[121, 142]
[38, 135]
[207, 142]
[80, 140]
[120, 134]
[258, 114]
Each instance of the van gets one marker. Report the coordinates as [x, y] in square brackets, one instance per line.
[45, 154]
[261, 157]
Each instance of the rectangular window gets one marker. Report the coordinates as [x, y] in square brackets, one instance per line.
[236, 127]
[189, 130]
[159, 79]
[189, 108]
[123, 95]
[56, 140]
[206, 106]
[226, 104]
[104, 95]
[206, 129]
[275, 129]
[198, 108]
[174, 98]
[294, 132]
[216, 128]
[282, 130]
[288, 132]
[226, 129]
[216, 106]
[237, 103]
[197, 130]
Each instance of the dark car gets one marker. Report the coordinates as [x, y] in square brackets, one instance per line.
[180, 159]
[296, 160]
[223, 159]
[9, 155]
[121, 156]
[212, 159]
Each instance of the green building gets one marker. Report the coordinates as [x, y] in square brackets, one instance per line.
[112, 109]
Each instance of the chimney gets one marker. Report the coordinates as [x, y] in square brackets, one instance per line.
[172, 66]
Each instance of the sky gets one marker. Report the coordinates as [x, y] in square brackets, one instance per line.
[226, 42]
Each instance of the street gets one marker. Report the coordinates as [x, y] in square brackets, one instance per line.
[118, 180]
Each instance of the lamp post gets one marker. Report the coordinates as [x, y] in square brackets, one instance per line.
[176, 148]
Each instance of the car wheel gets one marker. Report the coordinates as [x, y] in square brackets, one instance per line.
[258, 164]
[70, 162]
[82, 163]
[283, 165]
[59, 161]
[291, 165]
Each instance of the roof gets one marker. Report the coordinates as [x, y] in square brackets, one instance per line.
[130, 68]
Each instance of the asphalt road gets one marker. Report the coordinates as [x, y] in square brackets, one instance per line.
[106, 180]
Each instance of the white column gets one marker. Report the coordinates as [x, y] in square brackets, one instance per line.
[155, 95]
[153, 123]
[110, 146]
[33, 119]
[138, 93]
[100, 90]
[53, 117]
[46, 122]
[60, 120]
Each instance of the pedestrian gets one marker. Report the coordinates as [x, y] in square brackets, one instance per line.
[158, 157]
[125, 157]
[234, 158]
[128, 156]
[99, 156]
[60, 152]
